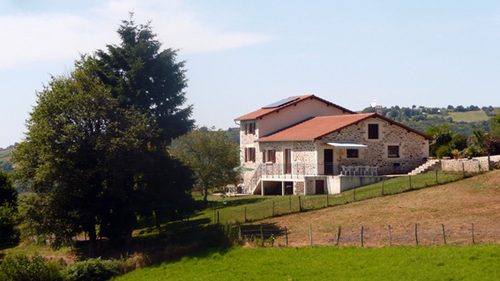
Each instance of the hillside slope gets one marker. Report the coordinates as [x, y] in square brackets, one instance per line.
[456, 205]
[5, 162]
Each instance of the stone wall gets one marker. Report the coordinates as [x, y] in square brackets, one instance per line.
[474, 165]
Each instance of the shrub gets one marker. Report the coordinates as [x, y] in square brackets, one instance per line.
[442, 151]
[93, 269]
[24, 268]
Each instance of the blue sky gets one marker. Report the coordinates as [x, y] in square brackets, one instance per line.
[241, 55]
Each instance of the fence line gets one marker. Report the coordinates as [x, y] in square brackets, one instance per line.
[423, 234]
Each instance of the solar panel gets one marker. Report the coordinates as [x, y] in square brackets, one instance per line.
[280, 103]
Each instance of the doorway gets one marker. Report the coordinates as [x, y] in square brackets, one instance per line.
[320, 187]
[328, 157]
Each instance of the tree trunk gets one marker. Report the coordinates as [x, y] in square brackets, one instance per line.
[205, 188]
[93, 241]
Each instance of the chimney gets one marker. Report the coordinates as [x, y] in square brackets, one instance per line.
[379, 109]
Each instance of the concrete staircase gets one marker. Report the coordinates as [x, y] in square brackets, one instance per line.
[424, 167]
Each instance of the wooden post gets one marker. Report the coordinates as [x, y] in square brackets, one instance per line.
[390, 237]
[239, 232]
[444, 234]
[310, 235]
[262, 234]
[339, 229]
[217, 217]
[473, 241]
[290, 200]
[416, 235]
[286, 236]
[245, 214]
[489, 163]
[436, 176]
[327, 198]
[361, 236]
[273, 208]
[383, 180]
[409, 180]
[300, 205]
[354, 193]
[463, 169]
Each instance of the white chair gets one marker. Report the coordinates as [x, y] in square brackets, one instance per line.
[344, 171]
[367, 171]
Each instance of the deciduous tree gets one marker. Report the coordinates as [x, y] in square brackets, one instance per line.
[211, 154]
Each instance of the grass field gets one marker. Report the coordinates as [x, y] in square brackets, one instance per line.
[469, 116]
[479, 262]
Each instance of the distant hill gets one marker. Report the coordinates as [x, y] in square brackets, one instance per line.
[5, 162]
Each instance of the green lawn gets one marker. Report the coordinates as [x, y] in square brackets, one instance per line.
[232, 209]
[476, 262]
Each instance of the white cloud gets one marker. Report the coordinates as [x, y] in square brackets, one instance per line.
[29, 38]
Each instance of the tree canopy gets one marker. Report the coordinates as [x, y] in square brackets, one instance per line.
[142, 76]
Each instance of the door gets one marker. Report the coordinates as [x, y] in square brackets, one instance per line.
[287, 161]
[288, 188]
[320, 187]
[328, 157]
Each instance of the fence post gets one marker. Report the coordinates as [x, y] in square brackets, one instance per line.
[217, 217]
[390, 237]
[361, 236]
[300, 205]
[354, 193]
[239, 232]
[489, 163]
[383, 180]
[444, 234]
[463, 169]
[437, 177]
[473, 242]
[416, 235]
[339, 229]
[215, 212]
[273, 208]
[409, 179]
[327, 198]
[245, 214]
[290, 200]
[286, 236]
[310, 235]
[261, 234]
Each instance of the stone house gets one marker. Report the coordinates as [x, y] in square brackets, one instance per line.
[307, 145]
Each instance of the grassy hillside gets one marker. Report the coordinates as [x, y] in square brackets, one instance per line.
[469, 116]
[456, 205]
[331, 263]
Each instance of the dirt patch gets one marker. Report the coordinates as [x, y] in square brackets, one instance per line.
[456, 205]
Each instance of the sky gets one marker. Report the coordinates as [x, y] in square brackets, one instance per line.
[242, 55]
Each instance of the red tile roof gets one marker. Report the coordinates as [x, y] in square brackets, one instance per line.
[266, 111]
[317, 127]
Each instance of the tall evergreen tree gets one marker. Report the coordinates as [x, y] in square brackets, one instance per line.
[145, 77]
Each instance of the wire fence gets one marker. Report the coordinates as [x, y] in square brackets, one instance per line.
[371, 236]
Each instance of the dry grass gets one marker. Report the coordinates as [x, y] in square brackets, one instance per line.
[456, 205]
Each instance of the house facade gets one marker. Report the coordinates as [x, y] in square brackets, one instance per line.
[307, 145]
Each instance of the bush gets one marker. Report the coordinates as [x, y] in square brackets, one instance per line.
[442, 151]
[24, 268]
[93, 269]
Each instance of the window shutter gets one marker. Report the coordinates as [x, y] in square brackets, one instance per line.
[246, 154]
